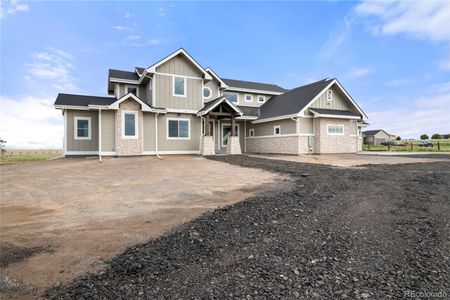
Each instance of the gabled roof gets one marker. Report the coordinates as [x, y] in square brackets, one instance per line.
[334, 113]
[209, 106]
[214, 75]
[82, 100]
[373, 132]
[139, 70]
[125, 75]
[249, 111]
[181, 51]
[251, 85]
[293, 101]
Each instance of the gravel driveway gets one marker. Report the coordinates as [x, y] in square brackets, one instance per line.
[365, 232]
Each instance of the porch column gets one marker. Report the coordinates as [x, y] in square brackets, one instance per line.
[207, 133]
[233, 125]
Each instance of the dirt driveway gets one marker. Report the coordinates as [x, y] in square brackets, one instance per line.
[62, 218]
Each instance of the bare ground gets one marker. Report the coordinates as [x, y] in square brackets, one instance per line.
[63, 218]
[376, 231]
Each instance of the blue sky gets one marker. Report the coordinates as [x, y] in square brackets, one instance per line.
[392, 57]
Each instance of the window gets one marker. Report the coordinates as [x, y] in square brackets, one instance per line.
[251, 132]
[179, 86]
[248, 98]
[178, 129]
[207, 92]
[82, 128]
[277, 130]
[129, 124]
[132, 89]
[233, 97]
[329, 96]
[226, 133]
[261, 98]
[335, 129]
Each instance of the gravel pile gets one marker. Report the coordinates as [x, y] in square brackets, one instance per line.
[369, 232]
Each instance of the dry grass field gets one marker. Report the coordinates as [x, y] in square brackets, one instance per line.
[26, 155]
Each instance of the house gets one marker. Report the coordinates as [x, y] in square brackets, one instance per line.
[375, 137]
[176, 106]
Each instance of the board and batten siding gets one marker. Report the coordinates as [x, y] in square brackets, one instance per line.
[192, 144]
[179, 65]
[339, 101]
[287, 126]
[164, 93]
[254, 103]
[306, 125]
[82, 145]
[149, 132]
[108, 130]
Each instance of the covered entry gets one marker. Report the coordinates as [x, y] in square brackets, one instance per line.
[222, 110]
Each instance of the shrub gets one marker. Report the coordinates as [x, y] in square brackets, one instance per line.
[424, 137]
[436, 136]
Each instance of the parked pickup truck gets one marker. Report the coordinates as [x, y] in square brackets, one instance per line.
[426, 144]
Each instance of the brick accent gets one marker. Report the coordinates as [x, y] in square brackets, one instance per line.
[326, 143]
[281, 144]
[126, 147]
[207, 145]
[233, 145]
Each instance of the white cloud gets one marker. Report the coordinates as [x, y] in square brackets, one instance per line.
[398, 81]
[133, 37]
[428, 114]
[53, 66]
[428, 20]
[359, 72]
[337, 37]
[161, 13]
[127, 15]
[15, 6]
[30, 122]
[122, 28]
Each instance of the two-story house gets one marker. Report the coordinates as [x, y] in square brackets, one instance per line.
[176, 106]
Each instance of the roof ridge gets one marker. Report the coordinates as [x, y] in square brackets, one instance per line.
[249, 81]
[314, 83]
[109, 97]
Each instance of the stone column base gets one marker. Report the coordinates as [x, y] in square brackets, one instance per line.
[207, 145]
[233, 145]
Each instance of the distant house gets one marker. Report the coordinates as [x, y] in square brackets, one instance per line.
[375, 137]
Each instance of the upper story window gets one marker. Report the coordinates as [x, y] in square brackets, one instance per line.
[207, 92]
[178, 129]
[132, 89]
[251, 132]
[232, 97]
[179, 86]
[248, 98]
[329, 96]
[129, 124]
[335, 129]
[82, 128]
[277, 130]
[261, 99]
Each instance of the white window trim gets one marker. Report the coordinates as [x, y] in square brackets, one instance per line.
[132, 85]
[75, 128]
[264, 98]
[178, 138]
[173, 86]
[251, 132]
[275, 130]
[221, 132]
[136, 127]
[335, 125]
[237, 96]
[251, 98]
[210, 92]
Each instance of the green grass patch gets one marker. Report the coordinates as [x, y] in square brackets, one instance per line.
[26, 157]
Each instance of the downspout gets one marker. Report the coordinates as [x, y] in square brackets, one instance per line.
[100, 135]
[156, 135]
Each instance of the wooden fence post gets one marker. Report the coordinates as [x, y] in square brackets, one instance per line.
[439, 146]
[411, 145]
[389, 147]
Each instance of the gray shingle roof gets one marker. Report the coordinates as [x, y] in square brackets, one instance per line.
[213, 102]
[371, 132]
[249, 111]
[334, 112]
[140, 70]
[122, 75]
[293, 101]
[254, 85]
[83, 100]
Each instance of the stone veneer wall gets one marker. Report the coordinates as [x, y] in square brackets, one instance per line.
[126, 147]
[207, 145]
[282, 145]
[325, 143]
[233, 145]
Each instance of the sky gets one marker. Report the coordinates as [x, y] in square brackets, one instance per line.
[392, 57]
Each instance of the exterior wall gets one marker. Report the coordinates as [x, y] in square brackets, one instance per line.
[149, 131]
[81, 145]
[325, 143]
[179, 65]
[306, 125]
[281, 145]
[376, 139]
[254, 103]
[144, 91]
[287, 126]
[126, 147]
[192, 144]
[108, 130]
[339, 101]
[214, 86]
[164, 93]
